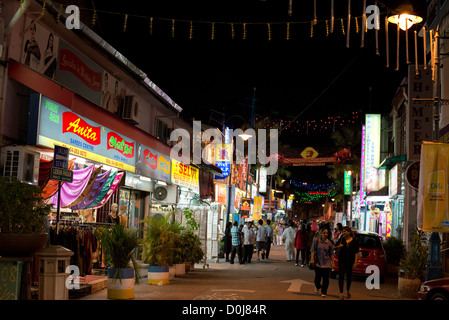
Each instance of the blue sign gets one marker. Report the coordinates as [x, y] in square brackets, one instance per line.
[61, 157]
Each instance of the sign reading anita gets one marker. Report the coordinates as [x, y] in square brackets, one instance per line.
[59, 126]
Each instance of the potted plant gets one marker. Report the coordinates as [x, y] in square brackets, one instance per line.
[191, 248]
[23, 218]
[176, 258]
[119, 246]
[395, 252]
[412, 268]
[158, 245]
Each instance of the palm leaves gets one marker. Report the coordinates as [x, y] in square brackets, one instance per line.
[119, 244]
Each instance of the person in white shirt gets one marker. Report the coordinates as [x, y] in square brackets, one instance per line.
[261, 239]
[289, 239]
[249, 237]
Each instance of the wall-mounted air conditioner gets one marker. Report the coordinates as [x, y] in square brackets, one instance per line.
[165, 194]
[130, 111]
[21, 163]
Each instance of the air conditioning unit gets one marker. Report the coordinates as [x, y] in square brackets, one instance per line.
[130, 111]
[21, 163]
[165, 194]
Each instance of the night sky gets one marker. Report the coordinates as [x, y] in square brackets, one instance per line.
[304, 78]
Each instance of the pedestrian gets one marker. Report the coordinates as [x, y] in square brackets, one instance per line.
[322, 250]
[227, 240]
[280, 230]
[249, 235]
[348, 248]
[310, 236]
[261, 239]
[338, 232]
[289, 239]
[269, 239]
[236, 241]
[301, 244]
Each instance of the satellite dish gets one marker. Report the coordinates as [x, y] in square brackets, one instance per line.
[160, 193]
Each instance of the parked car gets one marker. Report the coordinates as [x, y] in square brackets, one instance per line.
[371, 252]
[437, 289]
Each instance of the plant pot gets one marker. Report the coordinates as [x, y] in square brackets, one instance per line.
[21, 244]
[158, 275]
[123, 288]
[180, 269]
[171, 272]
[408, 288]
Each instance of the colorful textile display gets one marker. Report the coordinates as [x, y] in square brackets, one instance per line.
[50, 186]
[71, 191]
[111, 190]
[103, 191]
[94, 192]
[87, 189]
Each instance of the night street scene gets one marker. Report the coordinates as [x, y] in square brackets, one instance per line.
[224, 158]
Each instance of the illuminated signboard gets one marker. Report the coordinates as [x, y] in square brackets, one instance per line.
[372, 151]
[59, 126]
[223, 155]
[362, 176]
[153, 164]
[347, 183]
[185, 175]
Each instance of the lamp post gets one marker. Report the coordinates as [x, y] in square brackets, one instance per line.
[405, 21]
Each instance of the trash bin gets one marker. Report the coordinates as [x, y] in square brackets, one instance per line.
[53, 262]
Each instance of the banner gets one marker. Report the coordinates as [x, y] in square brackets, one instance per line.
[185, 176]
[433, 201]
[257, 208]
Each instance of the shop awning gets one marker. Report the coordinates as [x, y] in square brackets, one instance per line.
[391, 162]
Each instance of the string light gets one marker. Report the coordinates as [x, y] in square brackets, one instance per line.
[151, 26]
[288, 31]
[244, 31]
[125, 23]
[213, 31]
[173, 28]
[58, 17]
[191, 30]
[94, 18]
[269, 31]
[43, 8]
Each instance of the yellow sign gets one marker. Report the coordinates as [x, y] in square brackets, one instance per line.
[257, 208]
[309, 152]
[185, 175]
[432, 188]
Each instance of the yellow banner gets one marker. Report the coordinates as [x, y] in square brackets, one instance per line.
[257, 208]
[433, 186]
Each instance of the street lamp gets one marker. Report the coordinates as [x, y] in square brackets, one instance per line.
[405, 17]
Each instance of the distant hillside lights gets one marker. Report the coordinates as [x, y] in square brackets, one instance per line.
[257, 151]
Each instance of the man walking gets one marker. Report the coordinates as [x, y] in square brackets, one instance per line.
[269, 239]
[248, 242]
[236, 243]
[261, 239]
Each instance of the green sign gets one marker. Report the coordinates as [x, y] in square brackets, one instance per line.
[59, 174]
[10, 275]
[348, 183]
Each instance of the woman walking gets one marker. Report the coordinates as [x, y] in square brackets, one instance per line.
[322, 250]
[348, 248]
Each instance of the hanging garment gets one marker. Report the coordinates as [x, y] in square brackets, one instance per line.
[87, 188]
[94, 192]
[111, 190]
[103, 191]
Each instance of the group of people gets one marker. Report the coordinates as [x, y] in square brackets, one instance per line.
[318, 249]
[240, 240]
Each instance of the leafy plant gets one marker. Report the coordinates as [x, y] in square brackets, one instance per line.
[191, 245]
[159, 241]
[414, 263]
[394, 250]
[119, 244]
[190, 219]
[23, 209]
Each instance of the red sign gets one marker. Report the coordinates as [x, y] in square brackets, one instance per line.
[71, 63]
[150, 159]
[118, 143]
[73, 123]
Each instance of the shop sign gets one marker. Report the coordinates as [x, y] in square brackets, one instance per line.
[153, 164]
[84, 138]
[223, 159]
[394, 181]
[372, 151]
[362, 169]
[220, 193]
[412, 175]
[257, 208]
[185, 175]
[388, 220]
[347, 182]
[246, 204]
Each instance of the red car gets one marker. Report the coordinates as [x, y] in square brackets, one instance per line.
[371, 252]
[437, 289]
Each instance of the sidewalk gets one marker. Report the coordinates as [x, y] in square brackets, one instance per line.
[273, 279]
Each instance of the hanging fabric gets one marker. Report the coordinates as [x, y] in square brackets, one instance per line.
[71, 191]
[111, 190]
[51, 186]
[87, 189]
[103, 191]
[98, 185]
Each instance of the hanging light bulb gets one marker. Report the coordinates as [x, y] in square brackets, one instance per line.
[405, 17]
